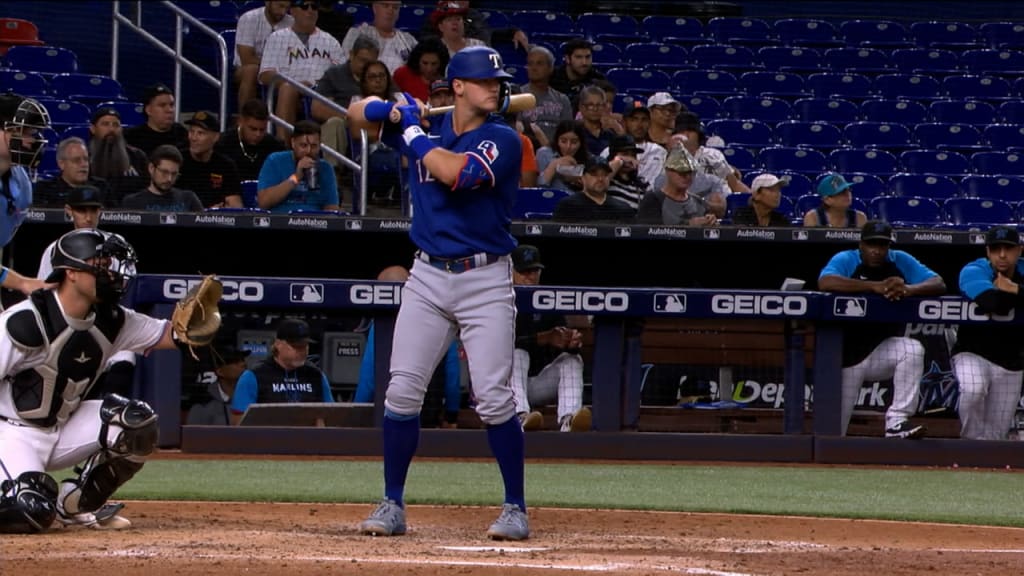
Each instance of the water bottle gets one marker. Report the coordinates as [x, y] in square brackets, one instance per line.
[313, 177]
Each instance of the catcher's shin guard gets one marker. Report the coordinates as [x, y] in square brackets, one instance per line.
[27, 504]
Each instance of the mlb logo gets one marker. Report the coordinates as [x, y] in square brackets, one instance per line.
[711, 233]
[261, 222]
[534, 229]
[307, 293]
[851, 307]
[168, 219]
[623, 231]
[977, 238]
[353, 225]
[669, 302]
[799, 234]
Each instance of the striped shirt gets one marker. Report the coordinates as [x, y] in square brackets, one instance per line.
[394, 49]
[253, 29]
[305, 62]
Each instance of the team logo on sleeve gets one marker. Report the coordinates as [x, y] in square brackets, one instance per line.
[489, 149]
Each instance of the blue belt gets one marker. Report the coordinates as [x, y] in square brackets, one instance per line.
[458, 265]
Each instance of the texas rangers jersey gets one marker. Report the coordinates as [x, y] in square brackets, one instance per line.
[15, 198]
[454, 223]
[998, 343]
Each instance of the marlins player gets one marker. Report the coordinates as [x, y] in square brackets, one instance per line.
[461, 279]
[987, 358]
[876, 351]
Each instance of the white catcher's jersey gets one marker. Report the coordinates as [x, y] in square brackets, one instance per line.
[50, 361]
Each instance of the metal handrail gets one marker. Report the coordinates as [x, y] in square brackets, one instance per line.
[181, 16]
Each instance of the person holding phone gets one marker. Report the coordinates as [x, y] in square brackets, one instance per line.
[561, 165]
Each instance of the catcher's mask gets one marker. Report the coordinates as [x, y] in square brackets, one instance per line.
[106, 255]
[24, 121]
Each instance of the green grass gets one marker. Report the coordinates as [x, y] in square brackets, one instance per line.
[955, 496]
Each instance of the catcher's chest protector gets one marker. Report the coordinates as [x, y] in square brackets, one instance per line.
[76, 352]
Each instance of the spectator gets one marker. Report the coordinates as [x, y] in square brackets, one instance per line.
[592, 105]
[672, 204]
[987, 357]
[764, 199]
[561, 166]
[871, 351]
[427, 63]
[160, 127]
[285, 182]
[449, 23]
[552, 106]
[477, 27]
[705, 184]
[251, 33]
[302, 52]
[395, 45]
[689, 131]
[836, 201]
[610, 119]
[73, 161]
[441, 94]
[637, 121]
[342, 83]
[593, 204]
[112, 159]
[546, 364]
[385, 162]
[285, 376]
[161, 195]
[664, 111]
[210, 174]
[249, 144]
[528, 172]
[577, 71]
[333, 18]
[626, 184]
[213, 409]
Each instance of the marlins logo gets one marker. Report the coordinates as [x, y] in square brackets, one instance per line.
[489, 150]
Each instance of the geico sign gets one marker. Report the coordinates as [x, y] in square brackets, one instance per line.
[955, 310]
[244, 291]
[767, 305]
[375, 294]
[580, 301]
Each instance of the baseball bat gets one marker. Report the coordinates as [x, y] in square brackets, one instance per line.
[516, 103]
[356, 119]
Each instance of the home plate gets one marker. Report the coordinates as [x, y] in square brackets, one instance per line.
[491, 549]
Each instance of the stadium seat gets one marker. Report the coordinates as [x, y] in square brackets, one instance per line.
[624, 101]
[673, 27]
[1012, 112]
[249, 189]
[543, 21]
[944, 162]
[24, 83]
[739, 158]
[496, 19]
[769, 110]
[639, 80]
[86, 88]
[537, 200]
[968, 86]
[931, 186]
[76, 131]
[944, 136]
[715, 56]
[594, 24]
[847, 160]
[868, 134]
[706, 107]
[1009, 189]
[867, 186]
[745, 133]
[1004, 135]
[819, 135]
[790, 59]
[833, 110]
[799, 184]
[42, 59]
[783, 158]
[776, 84]
[856, 60]
[944, 34]
[977, 211]
[658, 54]
[1003, 34]
[734, 30]
[903, 111]
[48, 159]
[997, 163]
[993, 62]
[131, 112]
[906, 211]
[216, 14]
[877, 33]
[64, 113]
[963, 111]
[18, 32]
[925, 61]
[706, 82]
[806, 32]
[411, 19]
[911, 86]
[359, 13]
[836, 85]
[606, 55]
[736, 200]
[229, 44]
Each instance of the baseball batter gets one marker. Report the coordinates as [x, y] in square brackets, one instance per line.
[461, 280]
[53, 347]
[987, 358]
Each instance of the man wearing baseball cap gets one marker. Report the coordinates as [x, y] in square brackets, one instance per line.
[664, 110]
[210, 174]
[672, 204]
[690, 133]
[871, 351]
[213, 408]
[112, 159]
[160, 127]
[765, 195]
[593, 204]
[636, 120]
[624, 159]
[836, 205]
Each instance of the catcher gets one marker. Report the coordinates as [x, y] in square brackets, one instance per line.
[52, 348]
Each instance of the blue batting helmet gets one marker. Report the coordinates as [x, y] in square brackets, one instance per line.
[476, 62]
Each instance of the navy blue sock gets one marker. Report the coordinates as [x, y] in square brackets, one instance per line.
[401, 438]
[508, 446]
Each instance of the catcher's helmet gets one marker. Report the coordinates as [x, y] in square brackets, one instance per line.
[74, 250]
[24, 119]
[476, 62]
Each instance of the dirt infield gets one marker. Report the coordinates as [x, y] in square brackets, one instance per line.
[183, 539]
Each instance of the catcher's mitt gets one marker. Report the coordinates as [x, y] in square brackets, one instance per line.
[196, 318]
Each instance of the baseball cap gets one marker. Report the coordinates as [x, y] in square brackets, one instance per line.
[526, 257]
[662, 99]
[877, 230]
[294, 331]
[206, 120]
[440, 85]
[637, 108]
[595, 163]
[832, 184]
[446, 8]
[767, 181]
[679, 160]
[623, 143]
[1002, 235]
[153, 91]
[84, 196]
[104, 111]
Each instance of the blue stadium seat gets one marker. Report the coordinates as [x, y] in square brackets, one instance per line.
[868, 134]
[594, 24]
[48, 159]
[964, 111]
[411, 19]
[819, 135]
[745, 133]
[903, 111]
[64, 113]
[932, 186]
[878, 33]
[496, 19]
[42, 59]
[607, 55]
[216, 14]
[943, 162]
[229, 44]
[704, 106]
[729, 57]
[249, 189]
[943, 136]
[131, 112]
[799, 184]
[624, 101]
[997, 163]
[537, 200]
[244, 7]
[639, 80]
[968, 86]
[776, 84]
[1004, 135]
[836, 85]
[942, 34]
[739, 158]
[673, 27]
[735, 30]
[806, 32]
[86, 88]
[860, 60]
[736, 200]
[24, 83]
[993, 62]
[543, 21]
[782, 158]
[1003, 34]
[977, 211]
[76, 131]
[769, 110]
[1012, 112]
[518, 74]
[1009, 189]
[706, 82]
[906, 211]
[658, 54]
[847, 160]
[867, 186]
[912, 86]
[790, 59]
[359, 12]
[833, 110]
[932, 61]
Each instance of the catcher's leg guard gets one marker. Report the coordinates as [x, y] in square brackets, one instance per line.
[27, 504]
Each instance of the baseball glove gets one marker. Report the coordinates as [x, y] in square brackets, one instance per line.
[196, 319]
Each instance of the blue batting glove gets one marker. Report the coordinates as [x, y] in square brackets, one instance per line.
[410, 115]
